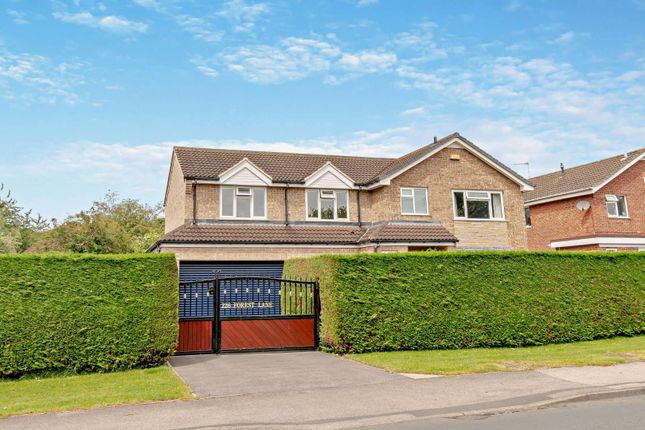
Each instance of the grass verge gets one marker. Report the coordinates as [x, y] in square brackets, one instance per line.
[61, 393]
[459, 361]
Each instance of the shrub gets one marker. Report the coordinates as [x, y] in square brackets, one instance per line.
[86, 312]
[444, 300]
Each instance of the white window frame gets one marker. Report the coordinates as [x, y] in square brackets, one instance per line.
[414, 208]
[490, 205]
[335, 198]
[613, 199]
[236, 192]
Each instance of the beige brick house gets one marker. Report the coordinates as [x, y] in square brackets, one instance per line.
[595, 206]
[239, 207]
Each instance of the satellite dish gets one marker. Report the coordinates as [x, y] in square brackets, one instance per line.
[583, 205]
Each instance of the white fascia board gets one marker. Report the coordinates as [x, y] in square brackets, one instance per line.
[620, 172]
[600, 241]
[586, 191]
[524, 186]
[328, 167]
[245, 163]
[297, 245]
[561, 196]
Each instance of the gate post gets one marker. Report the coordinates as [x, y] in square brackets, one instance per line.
[316, 314]
[216, 329]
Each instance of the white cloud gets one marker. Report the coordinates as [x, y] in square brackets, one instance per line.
[363, 3]
[109, 22]
[367, 61]
[293, 59]
[200, 28]
[31, 77]
[418, 111]
[243, 15]
[203, 67]
[564, 38]
[18, 17]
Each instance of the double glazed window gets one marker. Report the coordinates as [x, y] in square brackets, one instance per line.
[327, 205]
[243, 202]
[478, 205]
[616, 206]
[414, 201]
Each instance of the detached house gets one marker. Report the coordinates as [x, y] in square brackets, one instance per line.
[244, 212]
[596, 206]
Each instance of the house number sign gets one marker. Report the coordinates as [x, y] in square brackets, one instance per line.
[246, 305]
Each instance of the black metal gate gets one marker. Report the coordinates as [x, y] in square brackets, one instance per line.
[253, 313]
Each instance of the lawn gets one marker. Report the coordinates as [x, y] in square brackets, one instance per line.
[85, 391]
[454, 362]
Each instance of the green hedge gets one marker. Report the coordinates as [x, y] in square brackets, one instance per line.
[86, 312]
[444, 300]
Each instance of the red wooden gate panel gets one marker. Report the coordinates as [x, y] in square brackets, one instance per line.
[195, 336]
[274, 333]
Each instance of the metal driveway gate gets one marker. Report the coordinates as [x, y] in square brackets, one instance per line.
[254, 314]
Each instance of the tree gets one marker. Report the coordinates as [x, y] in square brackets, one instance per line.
[18, 228]
[111, 225]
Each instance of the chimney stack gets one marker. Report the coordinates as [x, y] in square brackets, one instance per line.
[435, 139]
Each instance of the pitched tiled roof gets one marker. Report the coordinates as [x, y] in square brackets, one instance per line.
[393, 231]
[205, 163]
[265, 233]
[210, 163]
[579, 178]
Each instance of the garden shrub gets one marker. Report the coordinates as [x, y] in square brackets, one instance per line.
[78, 313]
[445, 300]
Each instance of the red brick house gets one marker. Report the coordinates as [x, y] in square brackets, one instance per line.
[595, 206]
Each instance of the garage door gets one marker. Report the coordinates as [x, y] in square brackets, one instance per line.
[195, 271]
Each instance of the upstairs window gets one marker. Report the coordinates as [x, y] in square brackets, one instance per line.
[616, 206]
[414, 201]
[243, 202]
[478, 205]
[327, 205]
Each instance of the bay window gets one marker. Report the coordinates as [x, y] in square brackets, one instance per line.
[327, 205]
[478, 205]
[243, 202]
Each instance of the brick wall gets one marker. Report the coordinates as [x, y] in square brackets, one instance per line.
[442, 175]
[561, 220]
[175, 200]
[265, 253]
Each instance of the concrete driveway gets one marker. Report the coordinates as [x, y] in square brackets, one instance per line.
[255, 373]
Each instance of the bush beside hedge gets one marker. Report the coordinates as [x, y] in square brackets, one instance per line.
[380, 302]
[86, 312]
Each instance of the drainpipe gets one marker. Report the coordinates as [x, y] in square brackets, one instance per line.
[358, 204]
[286, 204]
[194, 192]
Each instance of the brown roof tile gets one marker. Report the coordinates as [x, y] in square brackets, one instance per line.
[265, 233]
[206, 163]
[579, 178]
[393, 231]
[210, 163]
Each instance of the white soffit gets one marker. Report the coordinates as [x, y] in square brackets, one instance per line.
[328, 176]
[245, 173]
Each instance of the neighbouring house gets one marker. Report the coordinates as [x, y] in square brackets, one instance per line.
[595, 206]
[235, 212]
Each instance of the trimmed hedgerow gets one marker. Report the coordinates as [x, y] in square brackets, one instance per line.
[78, 313]
[446, 300]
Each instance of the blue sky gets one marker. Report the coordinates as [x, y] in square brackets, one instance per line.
[93, 94]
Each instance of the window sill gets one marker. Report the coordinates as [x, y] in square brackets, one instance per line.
[478, 220]
[234, 218]
[619, 217]
[326, 220]
[404, 214]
